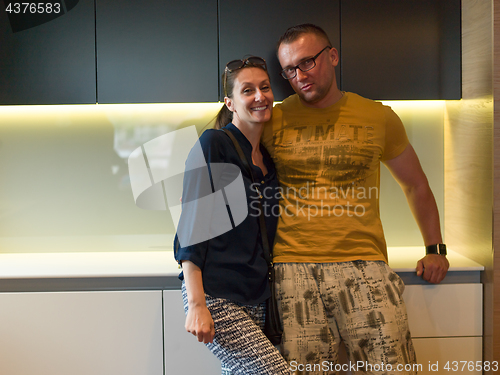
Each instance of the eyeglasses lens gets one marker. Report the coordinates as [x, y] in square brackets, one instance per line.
[235, 65]
[257, 61]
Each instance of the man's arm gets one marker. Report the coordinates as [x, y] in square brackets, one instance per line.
[406, 169]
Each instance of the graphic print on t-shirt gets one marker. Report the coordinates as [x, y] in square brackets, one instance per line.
[340, 155]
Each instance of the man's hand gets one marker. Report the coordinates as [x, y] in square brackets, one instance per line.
[433, 268]
[199, 323]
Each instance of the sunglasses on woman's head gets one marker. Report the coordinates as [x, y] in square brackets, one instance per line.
[231, 66]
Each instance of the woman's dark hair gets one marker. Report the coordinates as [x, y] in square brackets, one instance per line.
[225, 116]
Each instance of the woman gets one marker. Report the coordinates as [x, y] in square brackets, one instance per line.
[225, 279]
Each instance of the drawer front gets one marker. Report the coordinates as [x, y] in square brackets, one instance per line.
[81, 333]
[444, 310]
[459, 355]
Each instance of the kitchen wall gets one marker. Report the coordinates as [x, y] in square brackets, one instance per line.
[470, 126]
[64, 171]
[493, 344]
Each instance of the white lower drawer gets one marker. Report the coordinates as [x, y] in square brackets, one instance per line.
[444, 310]
[458, 355]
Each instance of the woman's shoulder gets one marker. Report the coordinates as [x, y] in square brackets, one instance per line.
[215, 145]
[213, 136]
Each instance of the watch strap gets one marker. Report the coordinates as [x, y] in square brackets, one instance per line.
[439, 249]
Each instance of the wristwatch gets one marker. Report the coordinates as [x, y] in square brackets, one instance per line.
[439, 249]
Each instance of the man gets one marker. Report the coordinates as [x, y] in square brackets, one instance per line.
[330, 254]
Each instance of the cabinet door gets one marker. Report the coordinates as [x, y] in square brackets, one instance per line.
[253, 28]
[396, 49]
[87, 333]
[154, 51]
[48, 58]
[183, 353]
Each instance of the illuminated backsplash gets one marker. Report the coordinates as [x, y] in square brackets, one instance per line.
[63, 169]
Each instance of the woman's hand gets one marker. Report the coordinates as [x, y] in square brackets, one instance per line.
[199, 323]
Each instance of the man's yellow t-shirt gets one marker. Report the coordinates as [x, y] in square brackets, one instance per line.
[328, 163]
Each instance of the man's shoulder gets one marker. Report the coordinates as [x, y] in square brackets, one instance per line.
[293, 103]
[367, 108]
[289, 104]
[356, 99]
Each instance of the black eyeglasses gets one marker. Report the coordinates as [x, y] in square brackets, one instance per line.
[304, 66]
[231, 66]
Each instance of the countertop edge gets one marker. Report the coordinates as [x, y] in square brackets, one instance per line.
[158, 269]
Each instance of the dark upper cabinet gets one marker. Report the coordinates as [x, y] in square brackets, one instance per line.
[395, 49]
[156, 51]
[254, 27]
[121, 51]
[47, 57]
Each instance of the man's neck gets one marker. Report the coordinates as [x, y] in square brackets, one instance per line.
[327, 101]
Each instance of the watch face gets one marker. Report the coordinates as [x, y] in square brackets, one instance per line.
[442, 249]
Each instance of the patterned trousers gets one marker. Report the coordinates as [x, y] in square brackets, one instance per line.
[239, 342]
[357, 302]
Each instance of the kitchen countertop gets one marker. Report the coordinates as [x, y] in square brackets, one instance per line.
[141, 262]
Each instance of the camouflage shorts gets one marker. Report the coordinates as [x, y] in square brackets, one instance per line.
[357, 302]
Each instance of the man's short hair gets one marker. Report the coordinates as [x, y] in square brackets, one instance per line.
[294, 32]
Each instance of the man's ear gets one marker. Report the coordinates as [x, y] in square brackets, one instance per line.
[334, 56]
[229, 103]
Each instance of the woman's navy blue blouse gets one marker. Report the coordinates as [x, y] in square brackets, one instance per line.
[233, 264]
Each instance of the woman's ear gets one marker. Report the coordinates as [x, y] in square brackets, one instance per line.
[229, 103]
